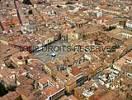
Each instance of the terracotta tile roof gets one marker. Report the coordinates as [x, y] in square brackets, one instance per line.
[50, 91]
[75, 71]
[44, 79]
[25, 90]
[6, 51]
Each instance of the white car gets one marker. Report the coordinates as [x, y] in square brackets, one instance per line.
[53, 54]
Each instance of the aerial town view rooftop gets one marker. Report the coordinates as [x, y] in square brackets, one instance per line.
[65, 49]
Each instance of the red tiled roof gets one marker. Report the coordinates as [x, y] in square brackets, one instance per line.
[75, 70]
[50, 90]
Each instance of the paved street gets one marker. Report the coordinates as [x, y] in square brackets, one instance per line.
[46, 53]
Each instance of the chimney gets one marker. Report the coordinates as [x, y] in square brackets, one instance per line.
[26, 61]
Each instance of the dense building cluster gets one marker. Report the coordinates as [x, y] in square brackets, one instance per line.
[65, 49]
